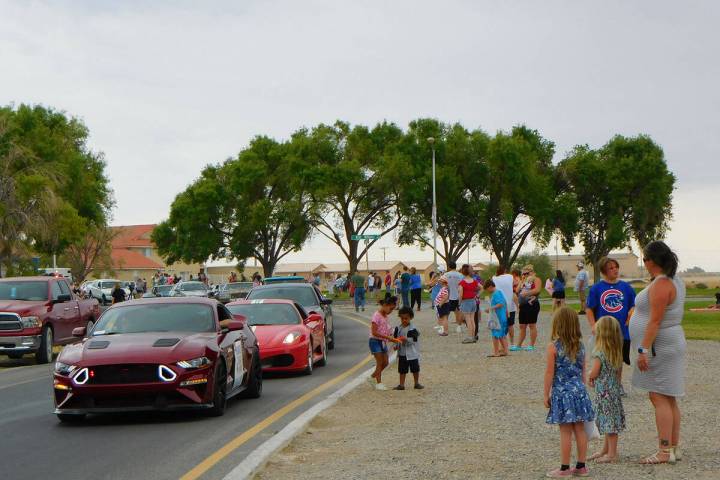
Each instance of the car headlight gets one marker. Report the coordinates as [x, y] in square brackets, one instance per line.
[291, 337]
[31, 322]
[64, 368]
[194, 363]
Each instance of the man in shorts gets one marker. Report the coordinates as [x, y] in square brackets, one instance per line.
[505, 283]
[453, 279]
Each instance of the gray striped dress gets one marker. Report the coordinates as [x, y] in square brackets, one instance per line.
[667, 368]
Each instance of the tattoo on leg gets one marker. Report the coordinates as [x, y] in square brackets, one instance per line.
[664, 443]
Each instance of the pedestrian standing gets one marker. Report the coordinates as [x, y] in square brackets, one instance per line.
[359, 285]
[582, 283]
[442, 304]
[530, 287]
[415, 288]
[467, 293]
[380, 334]
[397, 283]
[453, 280]
[405, 287]
[565, 394]
[118, 294]
[371, 283]
[498, 310]
[605, 378]
[388, 283]
[505, 283]
[558, 290]
[408, 349]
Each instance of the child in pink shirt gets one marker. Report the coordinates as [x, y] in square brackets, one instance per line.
[380, 334]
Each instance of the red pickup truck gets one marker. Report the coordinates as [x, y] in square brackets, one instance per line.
[37, 313]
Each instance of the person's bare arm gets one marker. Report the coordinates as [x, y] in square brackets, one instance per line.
[590, 314]
[660, 295]
[549, 374]
[594, 371]
[377, 334]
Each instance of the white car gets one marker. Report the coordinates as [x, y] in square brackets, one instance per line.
[190, 289]
[102, 290]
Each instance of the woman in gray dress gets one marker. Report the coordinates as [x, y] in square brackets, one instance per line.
[659, 340]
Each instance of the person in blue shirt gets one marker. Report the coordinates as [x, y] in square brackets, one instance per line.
[415, 288]
[498, 308]
[558, 294]
[614, 297]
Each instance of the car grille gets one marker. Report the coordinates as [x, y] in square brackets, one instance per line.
[132, 373]
[9, 322]
[283, 360]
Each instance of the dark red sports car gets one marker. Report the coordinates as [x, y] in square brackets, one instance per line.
[158, 354]
[290, 339]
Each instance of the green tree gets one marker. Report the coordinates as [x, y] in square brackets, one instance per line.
[541, 263]
[623, 191]
[521, 198]
[346, 172]
[245, 207]
[461, 175]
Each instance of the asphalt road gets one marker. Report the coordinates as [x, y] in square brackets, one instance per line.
[140, 446]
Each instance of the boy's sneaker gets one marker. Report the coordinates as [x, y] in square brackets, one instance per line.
[557, 473]
[581, 472]
[381, 387]
[418, 386]
[399, 387]
[515, 348]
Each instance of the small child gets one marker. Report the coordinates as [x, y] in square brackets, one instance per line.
[605, 377]
[379, 336]
[408, 349]
[565, 393]
[498, 308]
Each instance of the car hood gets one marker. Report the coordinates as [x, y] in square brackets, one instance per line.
[273, 335]
[22, 307]
[139, 348]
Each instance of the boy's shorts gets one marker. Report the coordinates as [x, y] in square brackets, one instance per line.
[443, 310]
[405, 365]
[377, 346]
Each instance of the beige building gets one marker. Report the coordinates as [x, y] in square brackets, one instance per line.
[424, 268]
[629, 265]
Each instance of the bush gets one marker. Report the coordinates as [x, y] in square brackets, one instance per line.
[701, 286]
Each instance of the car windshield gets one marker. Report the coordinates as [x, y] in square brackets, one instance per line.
[192, 286]
[267, 313]
[23, 291]
[110, 284]
[166, 317]
[164, 288]
[303, 295]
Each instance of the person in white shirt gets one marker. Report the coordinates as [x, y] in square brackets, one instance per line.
[504, 282]
[582, 283]
[453, 279]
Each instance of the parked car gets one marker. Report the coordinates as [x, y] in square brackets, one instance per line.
[305, 294]
[287, 279]
[37, 313]
[158, 354]
[159, 291]
[229, 292]
[190, 289]
[101, 290]
[290, 339]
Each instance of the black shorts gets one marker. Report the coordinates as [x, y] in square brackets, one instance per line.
[626, 351]
[453, 305]
[529, 313]
[559, 295]
[511, 319]
[443, 310]
[405, 365]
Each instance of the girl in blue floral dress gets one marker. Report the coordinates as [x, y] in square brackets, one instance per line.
[565, 392]
[605, 377]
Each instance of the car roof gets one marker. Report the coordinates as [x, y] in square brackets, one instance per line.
[286, 279]
[35, 278]
[170, 300]
[261, 301]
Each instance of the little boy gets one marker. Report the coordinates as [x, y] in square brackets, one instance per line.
[408, 349]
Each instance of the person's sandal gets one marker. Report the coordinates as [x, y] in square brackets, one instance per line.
[677, 452]
[606, 459]
[596, 455]
[655, 460]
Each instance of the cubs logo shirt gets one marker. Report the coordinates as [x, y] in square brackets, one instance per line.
[614, 299]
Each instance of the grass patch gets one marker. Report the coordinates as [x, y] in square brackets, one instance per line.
[702, 326]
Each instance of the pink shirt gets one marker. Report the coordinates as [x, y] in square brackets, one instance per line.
[381, 325]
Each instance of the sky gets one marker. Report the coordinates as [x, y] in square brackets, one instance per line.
[168, 87]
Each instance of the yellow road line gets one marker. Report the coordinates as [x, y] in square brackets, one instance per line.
[236, 442]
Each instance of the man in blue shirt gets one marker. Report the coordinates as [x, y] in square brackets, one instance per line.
[614, 297]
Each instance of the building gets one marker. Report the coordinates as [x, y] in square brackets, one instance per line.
[135, 255]
[629, 265]
[423, 267]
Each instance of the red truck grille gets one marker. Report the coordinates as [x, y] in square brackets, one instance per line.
[132, 373]
[9, 322]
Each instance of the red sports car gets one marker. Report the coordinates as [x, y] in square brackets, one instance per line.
[158, 354]
[290, 339]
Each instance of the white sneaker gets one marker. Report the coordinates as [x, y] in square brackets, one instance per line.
[381, 386]
[438, 327]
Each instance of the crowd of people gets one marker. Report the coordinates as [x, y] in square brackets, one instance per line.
[642, 330]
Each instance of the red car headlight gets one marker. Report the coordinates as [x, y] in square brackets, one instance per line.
[292, 337]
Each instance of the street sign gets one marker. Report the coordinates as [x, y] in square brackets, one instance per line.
[365, 237]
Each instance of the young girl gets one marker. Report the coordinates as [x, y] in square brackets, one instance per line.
[498, 307]
[605, 377]
[380, 334]
[442, 304]
[565, 393]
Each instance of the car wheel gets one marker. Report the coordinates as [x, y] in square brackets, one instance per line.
[219, 392]
[70, 417]
[45, 352]
[331, 342]
[322, 362]
[309, 369]
[104, 300]
[254, 386]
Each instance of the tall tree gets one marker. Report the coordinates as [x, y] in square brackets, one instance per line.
[520, 197]
[461, 176]
[623, 191]
[345, 171]
[245, 207]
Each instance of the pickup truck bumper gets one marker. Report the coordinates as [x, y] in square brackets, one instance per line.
[19, 344]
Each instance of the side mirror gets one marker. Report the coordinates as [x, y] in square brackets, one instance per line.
[79, 332]
[313, 317]
[64, 297]
[237, 323]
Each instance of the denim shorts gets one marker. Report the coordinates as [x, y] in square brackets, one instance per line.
[468, 305]
[377, 346]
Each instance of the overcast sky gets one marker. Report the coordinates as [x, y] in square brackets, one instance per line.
[167, 87]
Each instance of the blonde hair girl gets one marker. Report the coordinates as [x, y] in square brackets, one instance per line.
[605, 377]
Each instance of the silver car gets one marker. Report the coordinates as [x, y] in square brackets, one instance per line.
[190, 289]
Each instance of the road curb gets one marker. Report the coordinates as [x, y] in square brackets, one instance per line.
[257, 459]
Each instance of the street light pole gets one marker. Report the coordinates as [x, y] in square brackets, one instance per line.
[431, 141]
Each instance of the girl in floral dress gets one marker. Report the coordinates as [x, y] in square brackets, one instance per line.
[605, 377]
[565, 392]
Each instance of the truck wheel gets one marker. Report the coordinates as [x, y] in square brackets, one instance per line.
[45, 352]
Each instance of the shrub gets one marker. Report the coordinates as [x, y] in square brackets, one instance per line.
[701, 286]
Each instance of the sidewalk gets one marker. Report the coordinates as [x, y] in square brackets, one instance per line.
[483, 418]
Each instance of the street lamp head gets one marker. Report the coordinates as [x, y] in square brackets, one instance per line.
[431, 140]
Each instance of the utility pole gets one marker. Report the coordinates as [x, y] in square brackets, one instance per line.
[384, 249]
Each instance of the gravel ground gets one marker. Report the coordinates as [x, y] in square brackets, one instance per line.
[483, 418]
